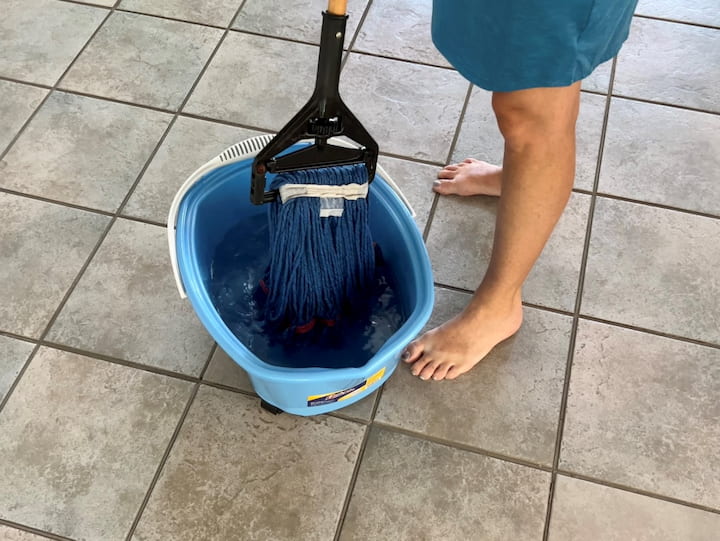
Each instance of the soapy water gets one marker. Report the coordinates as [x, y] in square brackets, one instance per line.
[238, 266]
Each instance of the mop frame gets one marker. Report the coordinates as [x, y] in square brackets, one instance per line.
[244, 150]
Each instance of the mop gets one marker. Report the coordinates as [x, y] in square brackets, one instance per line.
[322, 258]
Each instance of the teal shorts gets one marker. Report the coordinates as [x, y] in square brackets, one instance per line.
[506, 45]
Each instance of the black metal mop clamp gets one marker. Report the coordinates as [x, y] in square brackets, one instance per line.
[324, 116]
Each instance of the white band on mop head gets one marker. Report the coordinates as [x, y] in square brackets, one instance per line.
[350, 192]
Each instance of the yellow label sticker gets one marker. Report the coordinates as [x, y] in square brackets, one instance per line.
[345, 394]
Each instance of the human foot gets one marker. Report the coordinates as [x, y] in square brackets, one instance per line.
[471, 177]
[456, 346]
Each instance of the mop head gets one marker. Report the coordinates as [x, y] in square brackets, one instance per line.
[322, 260]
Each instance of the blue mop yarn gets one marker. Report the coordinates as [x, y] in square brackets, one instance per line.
[321, 268]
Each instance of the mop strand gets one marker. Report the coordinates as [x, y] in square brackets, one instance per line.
[322, 260]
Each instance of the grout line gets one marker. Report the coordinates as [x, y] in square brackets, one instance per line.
[163, 460]
[236, 390]
[451, 151]
[171, 444]
[353, 481]
[52, 88]
[35, 531]
[662, 206]
[463, 447]
[411, 159]
[120, 101]
[20, 337]
[169, 18]
[122, 362]
[578, 305]
[661, 334]
[638, 491]
[278, 38]
[403, 60]
[64, 299]
[666, 104]
[357, 29]
[676, 21]
[456, 289]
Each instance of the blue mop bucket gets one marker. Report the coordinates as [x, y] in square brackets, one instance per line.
[210, 204]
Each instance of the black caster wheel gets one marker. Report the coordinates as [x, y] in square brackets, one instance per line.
[269, 407]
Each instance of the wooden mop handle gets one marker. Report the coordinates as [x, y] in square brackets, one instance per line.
[337, 7]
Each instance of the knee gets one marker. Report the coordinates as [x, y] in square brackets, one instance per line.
[525, 122]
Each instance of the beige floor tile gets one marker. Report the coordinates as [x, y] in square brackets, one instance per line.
[80, 441]
[83, 151]
[408, 489]
[654, 268]
[585, 511]
[145, 60]
[237, 472]
[126, 305]
[42, 248]
[643, 412]
[508, 404]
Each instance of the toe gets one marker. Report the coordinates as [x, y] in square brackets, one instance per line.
[413, 352]
[418, 366]
[454, 372]
[441, 371]
[427, 372]
[446, 174]
[444, 187]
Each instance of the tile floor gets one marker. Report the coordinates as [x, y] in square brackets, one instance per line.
[120, 419]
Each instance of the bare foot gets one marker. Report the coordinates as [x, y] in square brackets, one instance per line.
[456, 346]
[471, 177]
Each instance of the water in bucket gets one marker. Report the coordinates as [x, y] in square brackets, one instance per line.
[237, 267]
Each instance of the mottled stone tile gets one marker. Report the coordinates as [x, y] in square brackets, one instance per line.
[83, 151]
[654, 268]
[17, 103]
[13, 354]
[277, 80]
[126, 305]
[671, 63]
[145, 60]
[295, 19]
[222, 369]
[400, 29]
[410, 109]
[663, 155]
[42, 248]
[415, 180]
[480, 137]
[238, 472]
[583, 510]
[509, 403]
[643, 412]
[81, 440]
[413, 489]
[41, 38]
[695, 11]
[11, 534]
[460, 242]
[599, 80]
[215, 12]
[190, 144]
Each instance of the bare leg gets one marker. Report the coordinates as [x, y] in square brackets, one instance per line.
[538, 171]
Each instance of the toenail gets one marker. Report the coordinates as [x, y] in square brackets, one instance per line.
[405, 355]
